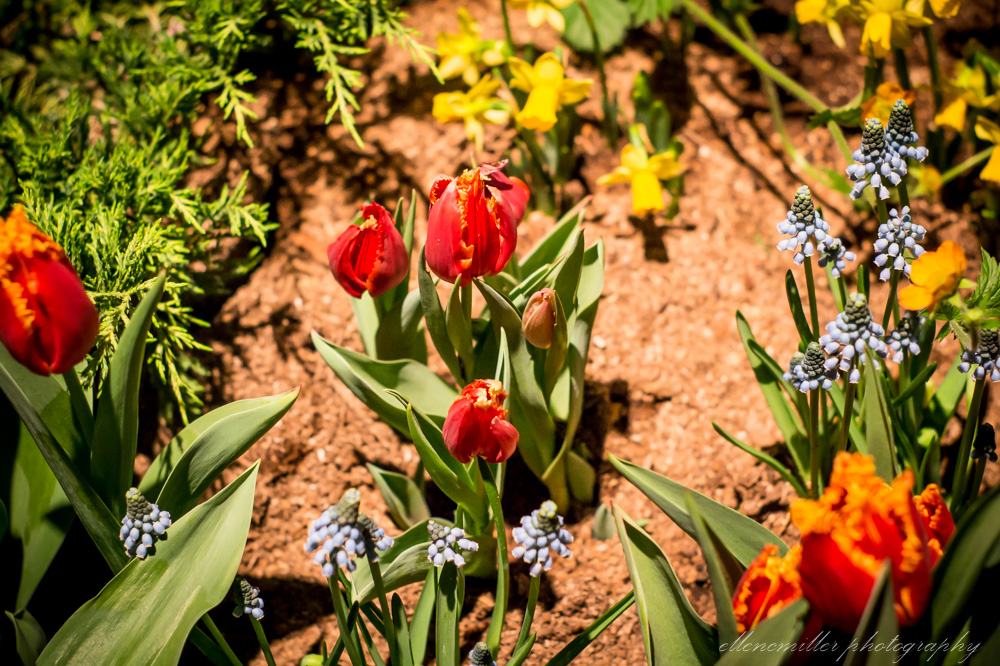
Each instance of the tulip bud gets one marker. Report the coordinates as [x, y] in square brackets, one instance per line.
[477, 426]
[371, 256]
[47, 321]
[541, 316]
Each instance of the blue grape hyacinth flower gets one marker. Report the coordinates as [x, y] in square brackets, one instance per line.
[986, 357]
[808, 372]
[901, 136]
[248, 601]
[540, 536]
[340, 534]
[850, 336]
[875, 163]
[806, 229]
[142, 525]
[447, 544]
[895, 237]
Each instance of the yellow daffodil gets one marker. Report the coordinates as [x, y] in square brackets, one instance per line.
[548, 90]
[644, 173]
[945, 8]
[935, 276]
[880, 104]
[887, 24]
[477, 106]
[465, 53]
[928, 179]
[824, 12]
[967, 89]
[987, 130]
[543, 11]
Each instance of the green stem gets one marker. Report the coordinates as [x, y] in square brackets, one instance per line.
[977, 480]
[529, 611]
[904, 193]
[390, 630]
[340, 610]
[848, 417]
[968, 435]
[262, 640]
[957, 170]
[503, 566]
[755, 59]
[811, 290]
[932, 59]
[890, 305]
[506, 26]
[609, 123]
[902, 68]
[220, 640]
[814, 442]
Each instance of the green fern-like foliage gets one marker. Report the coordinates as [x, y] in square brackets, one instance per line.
[97, 104]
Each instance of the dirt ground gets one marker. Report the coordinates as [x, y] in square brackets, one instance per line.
[665, 357]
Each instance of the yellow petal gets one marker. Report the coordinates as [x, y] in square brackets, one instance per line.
[444, 110]
[571, 92]
[539, 112]
[991, 171]
[987, 130]
[453, 66]
[497, 116]
[945, 8]
[555, 18]
[952, 113]
[647, 194]
[470, 76]
[810, 11]
[877, 35]
[915, 298]
[536, 15]
[619, 175]
[474, 132]
[548, 70]
[836, 34]
[665, 166]
[522, 74]
[634, 159]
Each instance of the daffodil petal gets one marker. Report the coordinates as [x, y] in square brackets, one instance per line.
[572, 92]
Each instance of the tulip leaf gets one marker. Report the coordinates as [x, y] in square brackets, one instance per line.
[402, 497]
[784, 628]
[366, 315]
[116, 426]
[522, 653]
[672, 631]
[29, 637]
[554, 243]
[459, 327]
[399, 335]
[368, 379]
[740, 535]
[404, 562]
[528, 410]
[192, 462]
[153, 604]
[406, 225]
[434, 318]
[581, 476]
[590, 634]
[450, 595]
[791, 476]
[722, 581]
[100, 523]
[957, 576]
[878, 423]
[420, 623]
[402, 629]
[878, 620]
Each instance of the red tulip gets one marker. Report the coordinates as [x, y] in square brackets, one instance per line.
[857, 524]
[477, 426]
[768, 585]
[472, 224]
[937, 520]
[540, 317]
[370, 256]
[47, 321]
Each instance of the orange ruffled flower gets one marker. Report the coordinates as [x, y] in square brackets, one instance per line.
[937, 520]
[935, 276]
[857, 524]
[768, 585]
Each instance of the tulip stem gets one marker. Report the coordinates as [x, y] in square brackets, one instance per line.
[503, 566]
[340, 610]
[529, 611]
[220, 640]
[262, 640]
[968, 435]
[814, 442]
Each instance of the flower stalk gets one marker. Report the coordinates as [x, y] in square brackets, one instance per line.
[262, 641]
[340, 610]
[503, 566]
[529, 612]
[961, 474]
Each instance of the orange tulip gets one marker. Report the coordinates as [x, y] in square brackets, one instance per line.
[477, 426]
[768, 585]
[935, 276]
[937, 520]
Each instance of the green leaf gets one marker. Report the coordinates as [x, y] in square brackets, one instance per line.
[788, 475]
[367, 318]
[460, 328]
[522, 652]
[420, 623]
[837, 397]
[402, 497]
[741, 535]
[29, 638]
[406, 225]
[878, 424]
[195, 461]
[879, 619]
[611, 20]
[672, 631]
[435, 319]
[368, 379]
[604, 523]
[402, 563]
[451, 592]
[554, 243]
[582, 477]
[916, 384]
[722, 582]
[155, 602]
[402, 628]
[957, 574]
[399, 335]
[945, 400]
[116, 427]
[798, 312]
[590, 634]
[783, 628]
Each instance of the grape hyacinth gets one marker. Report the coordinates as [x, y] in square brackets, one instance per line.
[875, 161]
[986, 357]
[897, 235]
[849, 335]
[905, 337]
[805, 226]
[540, 535]
[832, 251]
[480, 655]
[446, 544]
[340, 533]
[142, 525]
[248, 601]
[901, 136]
[808, 372]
